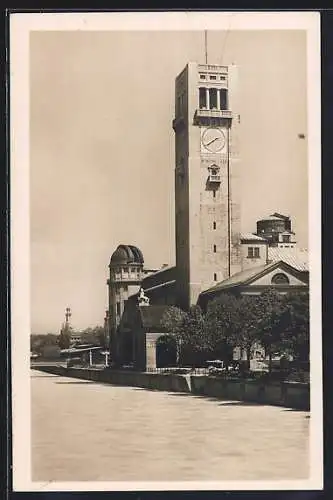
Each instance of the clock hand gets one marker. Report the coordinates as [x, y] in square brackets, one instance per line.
[215, 139]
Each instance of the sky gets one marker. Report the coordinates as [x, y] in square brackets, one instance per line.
[102, 151]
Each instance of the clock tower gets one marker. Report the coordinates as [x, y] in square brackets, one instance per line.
[207, 187]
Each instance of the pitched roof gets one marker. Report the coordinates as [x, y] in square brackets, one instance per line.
[164, 275]
[295, 257]
[253, 237]
[247, 276]
[239, 278]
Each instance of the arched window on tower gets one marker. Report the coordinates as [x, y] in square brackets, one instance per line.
[280, 279]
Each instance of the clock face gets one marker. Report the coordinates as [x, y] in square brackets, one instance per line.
[213, 140]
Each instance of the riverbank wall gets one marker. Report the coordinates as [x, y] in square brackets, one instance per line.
[293, 395]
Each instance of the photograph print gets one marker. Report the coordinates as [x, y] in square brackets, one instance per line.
[165, 243]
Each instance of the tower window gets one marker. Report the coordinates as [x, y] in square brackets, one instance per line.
[222, 78]
[215, 277]
[202, 98]
[214, 225]
[118, 308]
[212, 77]
[203, 77]
[223, 99]
[214, 248]
[213, 98]
[214, 193]
[286, 238]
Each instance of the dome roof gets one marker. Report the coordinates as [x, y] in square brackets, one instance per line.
[126, 254]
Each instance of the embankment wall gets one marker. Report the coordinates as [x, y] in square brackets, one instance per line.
[288, 394]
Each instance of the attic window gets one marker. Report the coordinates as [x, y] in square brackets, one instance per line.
[280, 279]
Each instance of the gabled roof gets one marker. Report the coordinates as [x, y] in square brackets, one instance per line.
[252, 237]
[295, 257]
[247, 276]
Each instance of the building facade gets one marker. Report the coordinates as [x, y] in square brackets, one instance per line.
[212, 256]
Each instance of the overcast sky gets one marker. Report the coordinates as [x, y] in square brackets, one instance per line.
[102, 151]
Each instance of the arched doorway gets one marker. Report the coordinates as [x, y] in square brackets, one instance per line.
[166, 351]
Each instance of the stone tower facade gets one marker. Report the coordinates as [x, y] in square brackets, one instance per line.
[207, 191]
[126, 273]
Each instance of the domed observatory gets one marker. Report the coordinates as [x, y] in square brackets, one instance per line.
[126, 273]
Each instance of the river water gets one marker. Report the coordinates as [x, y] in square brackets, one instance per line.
[84, 431]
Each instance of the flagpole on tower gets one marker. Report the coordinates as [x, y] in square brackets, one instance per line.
[206, 51]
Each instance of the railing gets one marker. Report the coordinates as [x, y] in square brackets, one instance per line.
[213, 113]
[179, 371]
[214, 178]
[213, 67]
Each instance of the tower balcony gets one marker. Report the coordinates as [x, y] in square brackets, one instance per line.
[213, 113]
[214, 179]
[213, 117]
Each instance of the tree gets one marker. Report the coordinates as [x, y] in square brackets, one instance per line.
[222, 326]
[64, 339]
[296, 338]
[39, 341]
[173, 323]
[194, 337]
[94, 336]
[274, 322]
[250, 316]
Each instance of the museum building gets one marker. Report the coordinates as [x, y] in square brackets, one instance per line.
[212, 255]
